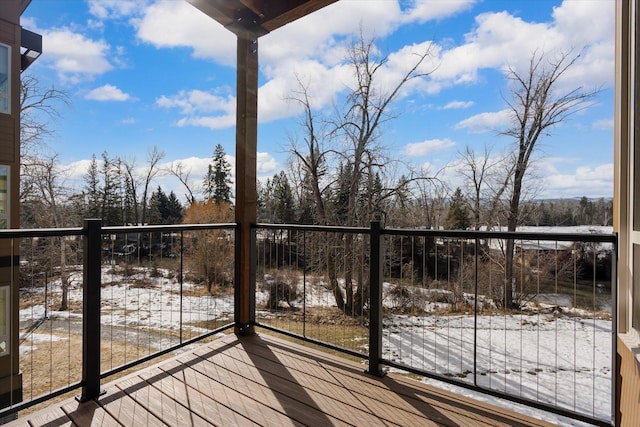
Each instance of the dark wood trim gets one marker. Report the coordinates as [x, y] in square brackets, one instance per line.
[246, 192]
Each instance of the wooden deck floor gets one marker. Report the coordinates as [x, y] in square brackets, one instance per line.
[262, 380]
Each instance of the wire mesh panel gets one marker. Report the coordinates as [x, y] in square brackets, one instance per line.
[314, 283]
[162, 289]
[50, 314]
[159, 291]
[536, 325]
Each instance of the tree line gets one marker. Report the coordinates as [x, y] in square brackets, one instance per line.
[341, 173]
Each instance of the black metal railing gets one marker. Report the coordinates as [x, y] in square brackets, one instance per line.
[95, 301]
[435, 303]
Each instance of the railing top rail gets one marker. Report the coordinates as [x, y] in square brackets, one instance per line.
[460, 234]
[165, 228]
[17, 233]
[322, 228]
[515, 235]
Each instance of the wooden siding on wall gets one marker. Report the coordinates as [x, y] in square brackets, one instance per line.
[7, 138]
[10, 11]
[7, 34]
[628, 386]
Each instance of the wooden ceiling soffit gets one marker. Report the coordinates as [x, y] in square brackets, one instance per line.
[255, 18]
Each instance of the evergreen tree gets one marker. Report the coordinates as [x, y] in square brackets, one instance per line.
[164, 209]
[307, 211]
[458, 217]
[283, 199]
[92, 190]
[217, 182]
[111, 197]
[129, 211]
[174, 211]
[154, 215]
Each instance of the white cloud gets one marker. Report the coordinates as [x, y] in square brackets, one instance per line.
[313, 47]
[112, 9]
[108, 93]
[210, 122]
[485, 122]
[604, 124]
[590, 181]
[169, 23]
[428, 147]
[197, 101]
[500, 38]
[195, 104]
[457, 105]
[267, 165]
[128, 121]
[426, 10]
[74, 56]
[77, 170]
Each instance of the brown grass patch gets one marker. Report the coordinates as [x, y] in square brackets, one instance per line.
[324, 324]
[201, 291]
[55, 364]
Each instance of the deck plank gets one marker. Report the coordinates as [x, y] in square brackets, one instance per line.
[175, 387]
[52, 417]
[88, 414]
[263, 380]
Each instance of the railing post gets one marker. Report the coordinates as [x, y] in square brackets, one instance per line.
[91, 285]
[375, 312]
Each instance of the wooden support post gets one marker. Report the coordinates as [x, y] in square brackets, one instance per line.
[246, 192]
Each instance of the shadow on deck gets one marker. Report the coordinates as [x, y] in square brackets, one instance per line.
[262, 380]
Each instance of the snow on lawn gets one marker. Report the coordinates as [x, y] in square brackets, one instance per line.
[555, 358]
[560, 361]
[29, 342]
[142, 301]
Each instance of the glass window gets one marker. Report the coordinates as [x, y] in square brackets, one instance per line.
[4, 320]
[5, 80]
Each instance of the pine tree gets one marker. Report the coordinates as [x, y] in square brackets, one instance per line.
[154, 215]
[217, 182]
[92, 190]
[174, 210]
[283, 199]
[164, 209]
[307, 205]
[111, 194]
[458, 217]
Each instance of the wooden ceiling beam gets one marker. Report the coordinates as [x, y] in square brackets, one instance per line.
[254, 18]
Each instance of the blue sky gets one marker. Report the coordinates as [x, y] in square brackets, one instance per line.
[145, 73]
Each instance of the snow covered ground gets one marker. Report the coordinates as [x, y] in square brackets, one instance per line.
[560, 359]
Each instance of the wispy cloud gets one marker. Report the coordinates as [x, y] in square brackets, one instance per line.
[424, 148]
[484, 122]
[108, 93]
[604, 124]
[458, 105]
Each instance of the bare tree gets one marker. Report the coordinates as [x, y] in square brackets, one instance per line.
[478, 171]
[536, 105]
[179, 170]
[47, 203]
[350, 142]
[38, 107]
[154, 156]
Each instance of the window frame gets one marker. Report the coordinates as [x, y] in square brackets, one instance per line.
[6, 96]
